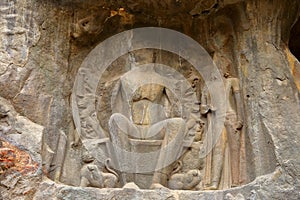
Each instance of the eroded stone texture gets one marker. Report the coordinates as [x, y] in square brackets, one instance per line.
[45, 42]
[20, 153]
[19, 32]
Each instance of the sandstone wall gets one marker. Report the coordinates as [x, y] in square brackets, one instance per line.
[44, 42]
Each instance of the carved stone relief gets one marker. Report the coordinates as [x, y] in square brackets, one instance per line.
[146, 115]
[139, 110]
[92, 176]
[126, 126]
[222, 166]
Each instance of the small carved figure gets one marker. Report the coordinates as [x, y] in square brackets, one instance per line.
[227, 148]
[92, 176]
[185, 181]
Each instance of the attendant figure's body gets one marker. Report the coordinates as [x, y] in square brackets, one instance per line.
[223, 162]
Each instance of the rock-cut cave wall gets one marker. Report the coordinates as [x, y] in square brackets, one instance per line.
[45, 42]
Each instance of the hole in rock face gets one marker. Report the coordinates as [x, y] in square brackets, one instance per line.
[294, 46]
[85, 23]
[294, 41]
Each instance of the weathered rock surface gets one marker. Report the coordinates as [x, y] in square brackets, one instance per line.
[43, 44]
[273, 186]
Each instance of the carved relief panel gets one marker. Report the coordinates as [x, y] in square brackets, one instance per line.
[149, 117]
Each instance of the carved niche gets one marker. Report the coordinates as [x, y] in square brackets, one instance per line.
[154, 125]
[145, 120]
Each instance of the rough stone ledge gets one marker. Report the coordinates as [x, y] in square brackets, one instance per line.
[271, 186]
